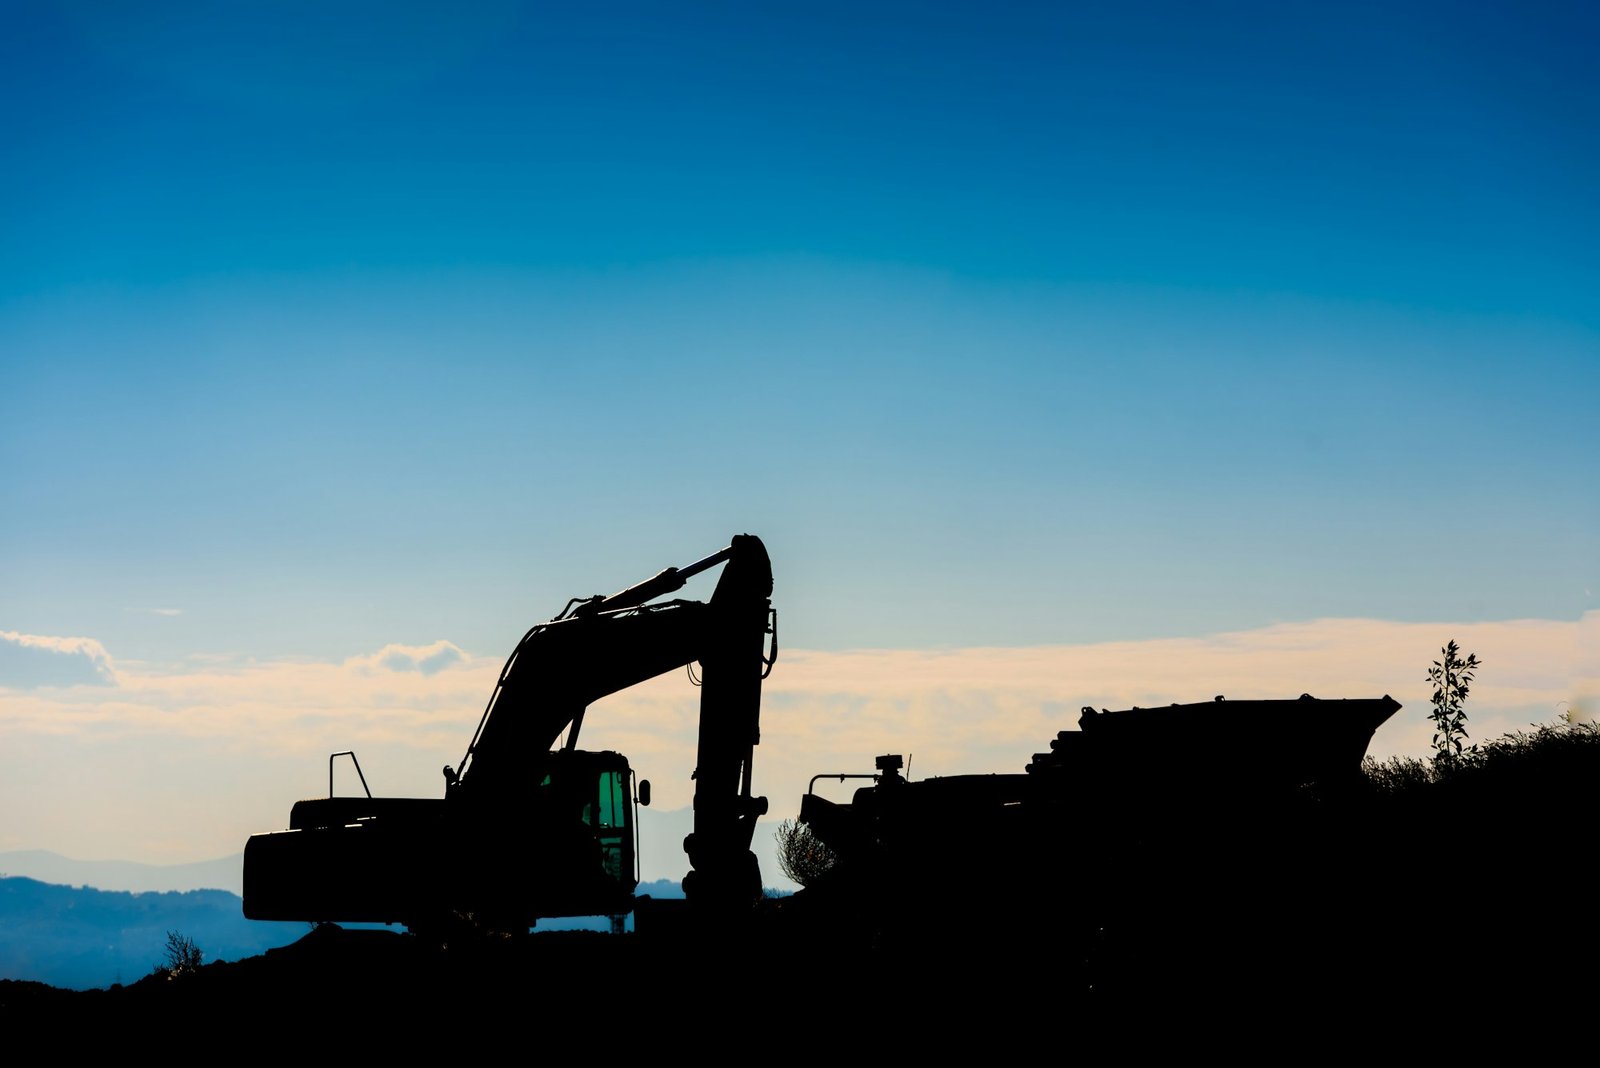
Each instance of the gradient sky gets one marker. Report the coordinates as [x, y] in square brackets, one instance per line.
[1008, 329]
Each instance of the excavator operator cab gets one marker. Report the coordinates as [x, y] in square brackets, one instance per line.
[585, 834]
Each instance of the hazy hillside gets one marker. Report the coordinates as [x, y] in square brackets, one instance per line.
[81, 938]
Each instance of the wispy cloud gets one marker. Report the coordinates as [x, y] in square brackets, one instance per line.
[30, 661]
[424, 659]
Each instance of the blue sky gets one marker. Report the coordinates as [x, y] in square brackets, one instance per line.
[1026, 328]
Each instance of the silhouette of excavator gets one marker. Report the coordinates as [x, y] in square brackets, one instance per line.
[526, 829]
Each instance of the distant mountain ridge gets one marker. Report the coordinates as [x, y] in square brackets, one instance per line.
[224, 873]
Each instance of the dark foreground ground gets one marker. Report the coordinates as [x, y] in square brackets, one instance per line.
[786, 989]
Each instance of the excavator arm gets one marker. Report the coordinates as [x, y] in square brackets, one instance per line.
[607, 644]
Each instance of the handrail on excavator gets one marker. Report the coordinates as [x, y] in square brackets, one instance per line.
[811, 788]
[352, 755]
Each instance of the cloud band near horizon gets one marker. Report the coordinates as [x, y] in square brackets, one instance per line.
[953, 711]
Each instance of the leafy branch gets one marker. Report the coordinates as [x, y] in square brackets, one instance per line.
[1451, 677]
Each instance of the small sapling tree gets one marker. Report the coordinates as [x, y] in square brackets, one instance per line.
[1451, 677]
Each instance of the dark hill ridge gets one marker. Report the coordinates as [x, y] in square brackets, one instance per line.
[378, 991]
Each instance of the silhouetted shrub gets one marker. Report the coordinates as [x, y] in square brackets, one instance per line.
[1396, 776]
[183, 957]
[802, 855]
